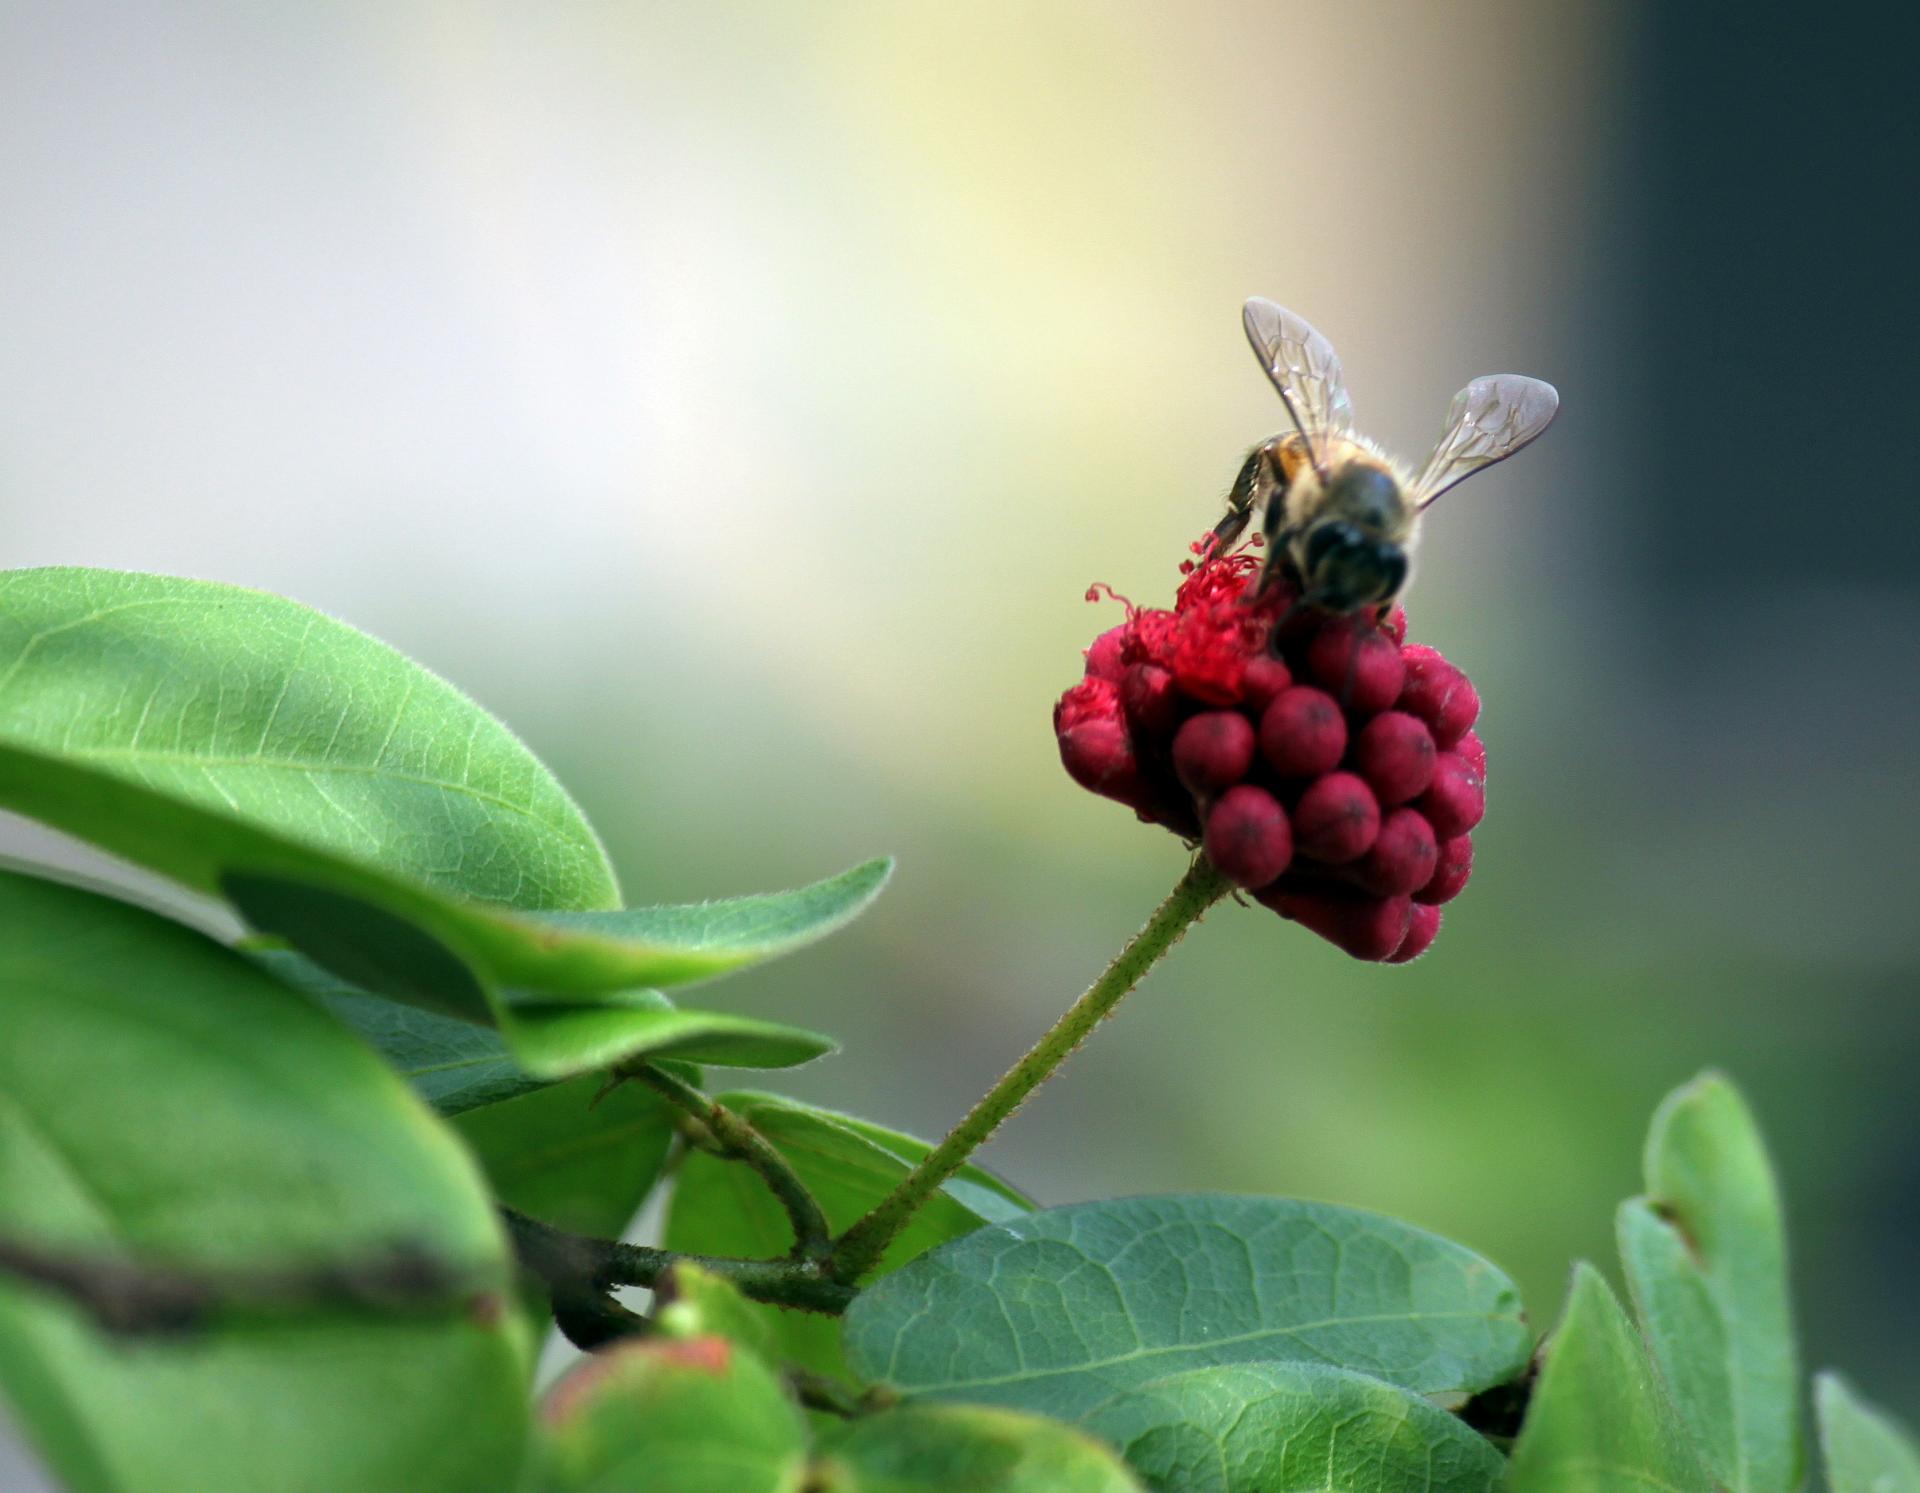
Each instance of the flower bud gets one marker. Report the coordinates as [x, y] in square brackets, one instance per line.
[1212, 751]
[1098, 755]
[1422, 929]
[1302, 733]
[1456, 799]
[1151, 701]
[1264, 678]
[1439, 694]
[1474, 752]
[1371, 928]
[1402, 858]
[1394, 753]
[1104, 659]
[1358, 664]
[1450, 874]
[1337, 819]
[1247, 837]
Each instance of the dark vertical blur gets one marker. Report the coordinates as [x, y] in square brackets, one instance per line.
[1771, 159]
[1774, 159]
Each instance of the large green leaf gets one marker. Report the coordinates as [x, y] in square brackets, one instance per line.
[162, 1100]
[1865, 1452]
[1292, 1428]
[1705, 1256]
[392, 939]
[693, 1416]
[720, 1207]
[341, 797]
[948, 1448]
[257, 711]
[1058, 1311]
[1599, 1421]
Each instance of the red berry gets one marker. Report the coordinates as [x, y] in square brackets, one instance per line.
[1103, 657]
[1457, 798]
[1302, 733]
[1403, 856]
[1358, 663]
[1098, 755]
[1422, 930]
[1336, 819]
[1152, 702]
[1247, 837]
[1394, 753]
[1265, 677]
[1212, 751]
[1439, 694]
[1451, 874]
[1370, 928]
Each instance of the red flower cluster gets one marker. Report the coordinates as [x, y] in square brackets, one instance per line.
[1336, 778]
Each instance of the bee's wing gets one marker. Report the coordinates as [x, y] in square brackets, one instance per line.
[1305, 369]
[1491, 418]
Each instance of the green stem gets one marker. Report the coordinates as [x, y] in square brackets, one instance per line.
[860, 1248]
[743, 1143]
[576, 1268]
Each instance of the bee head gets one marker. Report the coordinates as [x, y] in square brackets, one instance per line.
[1346, 567]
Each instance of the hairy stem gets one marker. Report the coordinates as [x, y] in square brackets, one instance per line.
[860, 1248]
[577, 1269]
[745, 1144]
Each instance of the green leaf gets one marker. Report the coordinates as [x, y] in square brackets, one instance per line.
[164, 1101]
[1705, 1256]
[548, 1149]
[1291, 1428]
[566, 1160]
[458, 1066]
[341, 797]
[255, 711]
[628, 1025]
[1058, 1311]
[720, 1207]
[452, 1064]
[445, 955]
[945, 1448]
[1865, 1451]
[696, 1416]
[690, 1302]
[1599, 1421]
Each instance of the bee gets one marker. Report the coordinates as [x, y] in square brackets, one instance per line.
[1340, 513]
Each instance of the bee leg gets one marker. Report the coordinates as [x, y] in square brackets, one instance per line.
[1240, 500]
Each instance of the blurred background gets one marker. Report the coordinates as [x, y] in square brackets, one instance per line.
[739, 400]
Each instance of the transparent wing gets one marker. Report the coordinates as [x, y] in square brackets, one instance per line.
[1305, 369]
[1491, 418]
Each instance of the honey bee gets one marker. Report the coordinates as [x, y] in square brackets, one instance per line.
[1340, 513]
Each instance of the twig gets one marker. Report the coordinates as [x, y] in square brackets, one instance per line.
[574, 1266]
[739, 1140]
[860, 1248]
[135, 1297]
